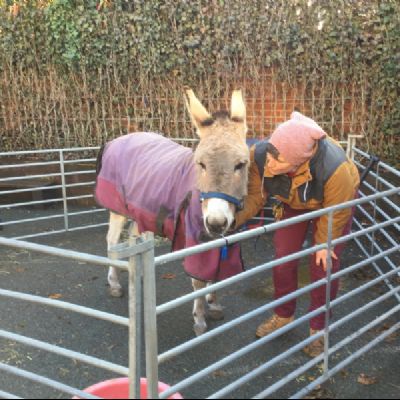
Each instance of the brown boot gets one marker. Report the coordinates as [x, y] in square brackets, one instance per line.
[316, 347]
[272, 324]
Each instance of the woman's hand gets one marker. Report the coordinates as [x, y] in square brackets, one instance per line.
[322, 256]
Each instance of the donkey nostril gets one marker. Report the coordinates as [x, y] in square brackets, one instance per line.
[216, 225]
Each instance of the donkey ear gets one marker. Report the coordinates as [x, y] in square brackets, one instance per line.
[197, 111]
[238, 108]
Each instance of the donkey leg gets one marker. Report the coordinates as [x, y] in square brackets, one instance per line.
[199, 309]
[215, 309]
[115, 228]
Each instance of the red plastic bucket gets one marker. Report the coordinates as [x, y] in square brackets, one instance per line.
[119, 389]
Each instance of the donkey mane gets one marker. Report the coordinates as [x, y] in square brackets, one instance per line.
[221, 115]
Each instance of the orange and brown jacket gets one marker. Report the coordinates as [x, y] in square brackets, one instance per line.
[327, 179]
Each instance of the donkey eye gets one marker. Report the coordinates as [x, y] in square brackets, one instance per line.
[239, 166]
[202, 165]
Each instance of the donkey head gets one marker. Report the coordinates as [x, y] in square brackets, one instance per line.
[221, 160]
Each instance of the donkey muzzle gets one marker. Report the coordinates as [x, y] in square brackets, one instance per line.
[216, 226]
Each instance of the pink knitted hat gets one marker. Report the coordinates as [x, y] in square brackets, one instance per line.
[295, 138]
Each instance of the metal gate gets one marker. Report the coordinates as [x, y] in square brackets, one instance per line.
[375, 233]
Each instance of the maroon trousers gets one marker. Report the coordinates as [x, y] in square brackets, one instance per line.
[290, 240]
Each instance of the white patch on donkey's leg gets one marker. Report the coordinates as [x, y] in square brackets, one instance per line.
[215, 310]
[199, 309]
[116, 225]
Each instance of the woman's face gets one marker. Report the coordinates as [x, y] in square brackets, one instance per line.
[279, 166]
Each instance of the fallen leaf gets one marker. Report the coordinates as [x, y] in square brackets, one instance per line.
[168, 276]
[367, 379]
[386, 326]
[55, 296]
[391, 338]
[219, 373]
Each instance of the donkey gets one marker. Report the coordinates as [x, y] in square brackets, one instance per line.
[187, 196]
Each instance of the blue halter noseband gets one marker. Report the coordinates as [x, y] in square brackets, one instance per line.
[218, 195]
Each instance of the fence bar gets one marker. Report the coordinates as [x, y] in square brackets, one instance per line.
[387, 259]
[97, 362]
[373, 242]
[383, 213]
[32, 189]
[90, 312]
[36, 235]
[24, 165]
[381, 163]
[96, 260]
[378, 269]
[45, 381]
[41, 188]
[67, 150]
[5, 395]
[263, 368]
[73, 173]
[384, 233]
[377, 177]
[80, 160]
[386, 200]
[29, 177]
[31, 203]
[21, 221]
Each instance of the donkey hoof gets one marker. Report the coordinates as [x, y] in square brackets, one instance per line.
[116, 292]
[199, 329]
[215, 315]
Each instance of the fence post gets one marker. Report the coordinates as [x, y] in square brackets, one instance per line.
[328, 293]
[135, 321]
[150, 319]
[64, 189]
[140, 251]
[351, 142]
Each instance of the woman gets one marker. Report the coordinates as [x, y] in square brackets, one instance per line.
[306, 170]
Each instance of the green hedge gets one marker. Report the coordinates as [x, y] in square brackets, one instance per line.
[344, 44]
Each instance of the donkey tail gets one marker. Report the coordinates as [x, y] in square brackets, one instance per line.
[99, 160]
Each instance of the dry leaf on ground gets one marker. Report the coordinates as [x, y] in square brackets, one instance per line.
[55, 296]
[367, 379]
